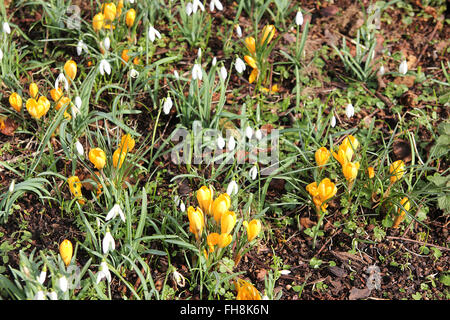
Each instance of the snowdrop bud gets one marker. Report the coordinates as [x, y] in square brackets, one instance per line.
[42, 275]
[79, 148]
[182, 207]
[299, 18]
[11, 186]
[231, 143]
[134, 74]
[108, 243]
[232, 188]
[239, 31]
[223, 73]
[349, 110]
[253, 172]
[189, 8]
[285, 272]
[258, 134]
[403, 68]
[220, 142]
[249, 132]
[381, 71]
[63, 284]
[239, 65]
[167, 105]
[197, 72]
[1, 54]
[80, 47]
[179, 279]
[78, 102]
[107, 43]
[39, 295]
[177, 76]
[6, 27]
[333, 121]
[199, 53]
[214, 61]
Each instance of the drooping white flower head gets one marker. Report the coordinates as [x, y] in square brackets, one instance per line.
[299, 18]
[214, 61]
[232, 188]
[167, 106]
[217, 4]
[1, 54]
[134, 73]
[153, 34]
[78, 102]
[220, 142]
[239, 65]
[103, 272]
[231, 143]
[81, 46]
[349, 110]
[177, 76]
[12, 186]
[333, 121]
[108, 243]
[189, 8]
[253, 172]
[6, 28]
[182, 206]
[223, 73]
[249, 132]
[258, 134]
[403, 67]
[197, 4]
[106, 43]
[197, 72]
[239, 31]
[381, 71]
[104, 67]
[62, 78]
[63, 284]
[199, 53]
[79, 147]
[116, 209]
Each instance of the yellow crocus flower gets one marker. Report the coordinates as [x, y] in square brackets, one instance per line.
[205, 199]
[253, 229]
[246, 291]
[227, 221]
[397, 170]
[322, 155]
[220, 205]
[196, 221]
[350, 170]
[224, 240]
[130, 17]
[66, 251]
[402, 213]
[98, 158]
[15, 100]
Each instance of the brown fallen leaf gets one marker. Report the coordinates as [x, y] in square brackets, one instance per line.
[8, 126]
[307, 223]
[356, 293]
[406, 80]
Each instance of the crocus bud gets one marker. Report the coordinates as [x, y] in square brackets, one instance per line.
[130, 17]
[33, 90]
[127, 142]
[75, 188]
[251, 45]
[196, 221]
[224, 240]
[205, 199]
[98, 158]
[253, 229]
[70, 67]
[402, 213]
[322, 155]
[66, 251]
[220, 205]
[109, 11]
[56, 94]
[350, 170]
[212, 240]
[371, 172]
[246, 291]
[250, 61]
[268, 33]
[227, 221]
[97, 21]
[125, 55]
[119, 157]
[15, 101]
[397, 170]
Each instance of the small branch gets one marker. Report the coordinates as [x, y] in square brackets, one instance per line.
[419, 242]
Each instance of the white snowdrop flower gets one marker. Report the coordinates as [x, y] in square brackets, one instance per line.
[79, 147]
[39, 295]
[78, 102]
[1, 54]
[199, 53]
[177, 76]
[108, 243]
[232, 188]
[214, 61]
[403, 68]
[249, 132]
[253, 172]
[220, 142]
[258, 134]
[189, 8]
[333, 121]
[197, 72]
[182, 206]
[113, 213]
[299, 18]
[106, 43]
[349, 110]
[217, 4]
[153, 34]
[223, 73]
[103, 272]
[80, 47]
[231, 144]
[52, 295]
[62, 78]
[239, 31]
[179, 278]
[62, 283]
[11, 186]
[197, 4]
[381, 71]
[134, 74]
[285, 272]
[104, 67]
[239, 65]
[6, 27]
[75, 111]
[167, 106]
